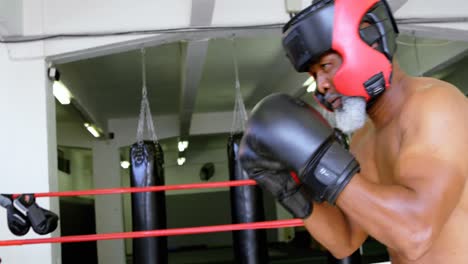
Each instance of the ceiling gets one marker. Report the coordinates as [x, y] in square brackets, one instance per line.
[114, 82]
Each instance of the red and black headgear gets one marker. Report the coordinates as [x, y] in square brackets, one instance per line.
[334, 25]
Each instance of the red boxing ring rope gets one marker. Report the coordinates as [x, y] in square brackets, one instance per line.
[155, 233]
[146, 189]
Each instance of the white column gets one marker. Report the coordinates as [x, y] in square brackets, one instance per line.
[109, 213]
[28, 147]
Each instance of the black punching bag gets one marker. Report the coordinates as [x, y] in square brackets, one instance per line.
[250, 246]
[148, 208]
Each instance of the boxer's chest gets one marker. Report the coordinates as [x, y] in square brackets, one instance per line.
[377, 153]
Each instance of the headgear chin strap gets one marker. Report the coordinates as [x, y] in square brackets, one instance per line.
[334, 25]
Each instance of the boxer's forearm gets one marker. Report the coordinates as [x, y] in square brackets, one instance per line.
[332, 229]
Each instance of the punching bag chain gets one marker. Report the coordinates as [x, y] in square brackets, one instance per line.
[145, 111]
[240, 114]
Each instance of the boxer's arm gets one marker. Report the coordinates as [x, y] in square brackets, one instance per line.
[334, 230]
[429, 178]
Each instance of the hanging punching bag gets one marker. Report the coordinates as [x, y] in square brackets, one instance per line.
[148, 208]
[250, 246]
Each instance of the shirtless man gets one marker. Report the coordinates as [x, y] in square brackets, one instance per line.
[403, 180]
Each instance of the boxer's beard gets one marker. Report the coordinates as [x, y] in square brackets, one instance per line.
[352, 114]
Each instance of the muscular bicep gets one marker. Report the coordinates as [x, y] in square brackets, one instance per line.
[431, 162]
[437, 185]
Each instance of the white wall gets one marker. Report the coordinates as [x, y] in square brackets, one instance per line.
[81, 171]
[28, 145]
[109, 213]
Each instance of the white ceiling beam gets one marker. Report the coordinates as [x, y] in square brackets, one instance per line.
[425, 31]
[122, 44]
[192, 70]
[395, 5]
[202, 13]
[194, 57]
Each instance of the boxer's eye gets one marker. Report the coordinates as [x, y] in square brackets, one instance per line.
[325, 66]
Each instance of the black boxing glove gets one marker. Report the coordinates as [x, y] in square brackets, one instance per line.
[291, 133]
[42, 221]
[273, 176]
[18, 223]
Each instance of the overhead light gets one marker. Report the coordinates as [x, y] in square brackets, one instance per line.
[180, 161]
[182, 145]
[125, 164]
[61, 92]
[92, 130]
[309, 81]
[181, 158]
[312, 87]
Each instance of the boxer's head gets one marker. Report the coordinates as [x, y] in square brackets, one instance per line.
[363, 33]
[348, 47]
